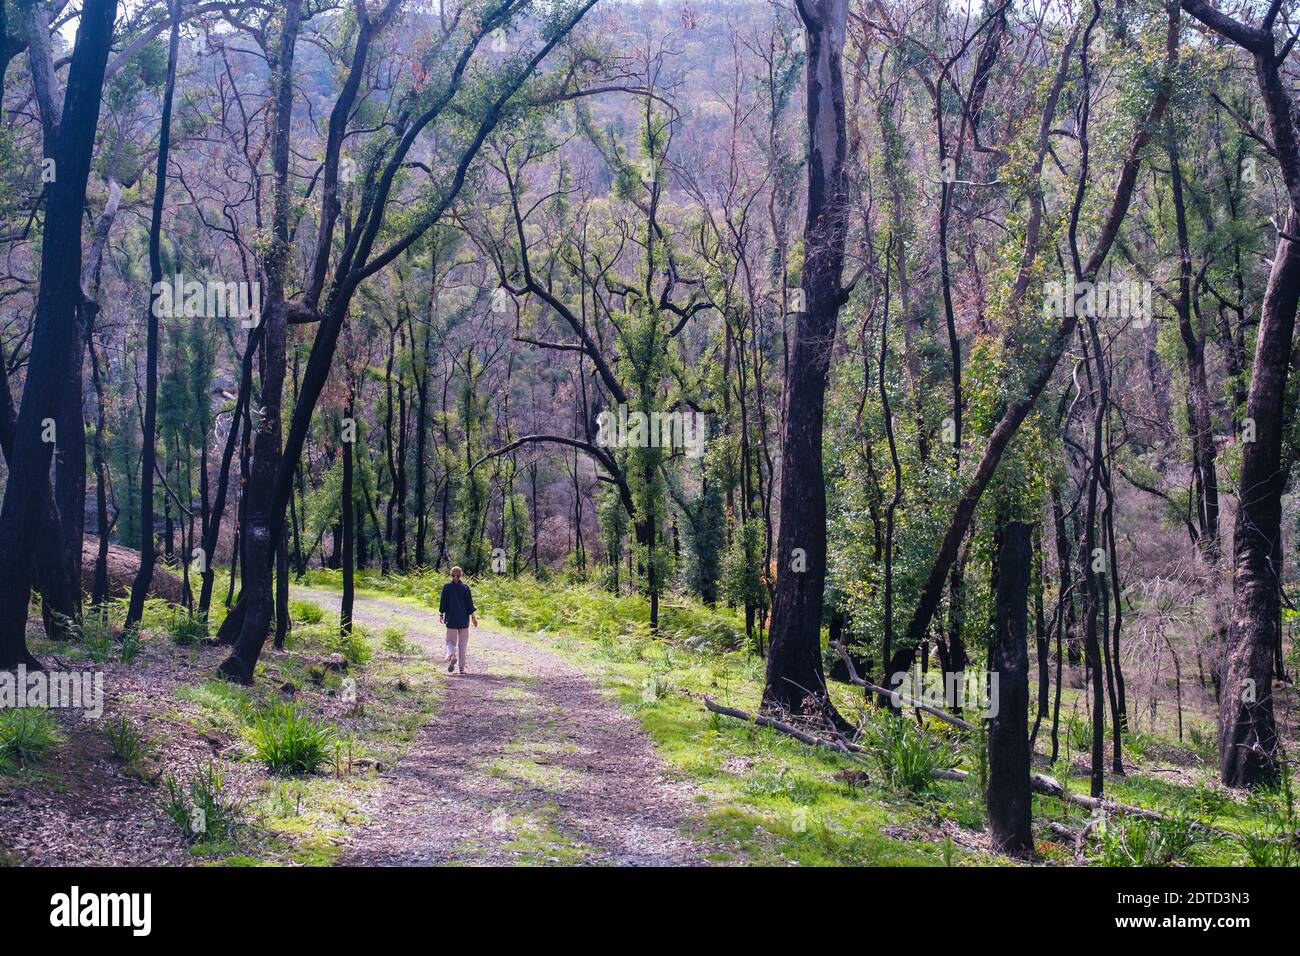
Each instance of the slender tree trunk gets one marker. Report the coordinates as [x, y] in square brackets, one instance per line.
[213, 530]
[99, 592]
[1040, 640]
[349, 535]
[282, 589]
[149, 451]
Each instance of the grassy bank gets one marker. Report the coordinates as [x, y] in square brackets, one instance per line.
[198, 770]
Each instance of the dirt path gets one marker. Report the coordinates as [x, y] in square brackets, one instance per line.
[527, 761]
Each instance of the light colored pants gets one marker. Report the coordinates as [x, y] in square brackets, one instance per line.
[457, 644]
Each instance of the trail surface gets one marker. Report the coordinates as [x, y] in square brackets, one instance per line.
[526, 761]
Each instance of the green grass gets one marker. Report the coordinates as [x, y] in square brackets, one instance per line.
[127, 742]
[306, 819]
[27, 735]
[766, 798]
[205, 811]
[288, 741]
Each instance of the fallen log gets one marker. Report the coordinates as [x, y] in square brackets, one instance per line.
[854, 678]
[122, 565]
[844, 746]
[1051, 787]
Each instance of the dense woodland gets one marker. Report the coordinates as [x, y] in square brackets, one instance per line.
[902, 335]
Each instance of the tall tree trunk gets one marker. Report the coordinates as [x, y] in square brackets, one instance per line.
[282, 589]
[252, 621]
[212, 531]
[349, 536]
[149, 451]
[54, 586]
[54, 341]
[99, 592]
[1008, 731]
[1247, 731]
[794, 668]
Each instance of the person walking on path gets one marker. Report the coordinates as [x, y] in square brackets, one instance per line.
[456, 610]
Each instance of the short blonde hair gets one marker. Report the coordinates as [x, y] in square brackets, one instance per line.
[456, 571]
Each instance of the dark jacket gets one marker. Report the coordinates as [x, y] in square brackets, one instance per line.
[457, 603]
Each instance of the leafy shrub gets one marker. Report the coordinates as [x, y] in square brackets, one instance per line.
[130, 647]
[905, 754]
[1139, 841]
[125, 739]
[1204, 743]
[187, 628]
[289, 741]
[304, 612]
[26, 735]
[394, 641]
[203, 811]
[353, 645]
[1273, 843]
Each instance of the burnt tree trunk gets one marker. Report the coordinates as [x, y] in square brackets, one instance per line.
[349, 535]
[1247, 730]
[282, 589]
[212, 531]
[1008, 732]
[250, 622]
[54, 341]
[795, 681]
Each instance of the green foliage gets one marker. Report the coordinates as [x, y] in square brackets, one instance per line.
[130, 646]
[27, 734]
[95, 634]
[706, 533]
[125, 739]
[204, 811]
[289, 741]
[187, 627]
[1204, 743]
[907, 755]
[394, 641]
[613, 531]
[473, 548]
[305, 612]
[1273, 842]
[221, 697]
[742, 567]
[1079, 731]
[354, 645]
[1139, 841]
